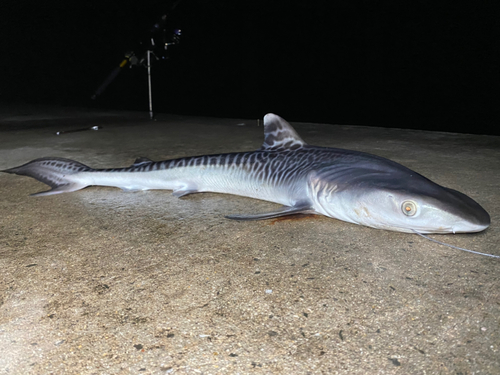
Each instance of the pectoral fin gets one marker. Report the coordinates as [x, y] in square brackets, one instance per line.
[284, 211]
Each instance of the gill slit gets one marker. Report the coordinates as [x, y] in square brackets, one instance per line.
[454, 247]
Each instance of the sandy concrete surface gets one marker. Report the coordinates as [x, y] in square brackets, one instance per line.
[105, 282]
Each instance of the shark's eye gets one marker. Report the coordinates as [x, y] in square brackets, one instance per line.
[409, 208]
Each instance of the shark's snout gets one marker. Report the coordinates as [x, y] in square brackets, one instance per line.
[470, 215]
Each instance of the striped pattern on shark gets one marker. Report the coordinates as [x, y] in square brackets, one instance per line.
[347, 185]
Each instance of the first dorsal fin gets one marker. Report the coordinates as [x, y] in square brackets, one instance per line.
[142, 161]
[279, 134]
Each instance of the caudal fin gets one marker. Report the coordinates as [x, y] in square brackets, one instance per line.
[53, 172]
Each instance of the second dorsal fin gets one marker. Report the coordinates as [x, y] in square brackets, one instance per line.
[141, 161]
[280, 135]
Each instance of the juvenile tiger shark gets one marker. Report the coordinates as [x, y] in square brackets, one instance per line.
[347, 185]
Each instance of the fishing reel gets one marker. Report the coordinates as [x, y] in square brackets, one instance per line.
[157, 45]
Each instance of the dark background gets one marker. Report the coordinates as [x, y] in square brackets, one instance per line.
[413, 64]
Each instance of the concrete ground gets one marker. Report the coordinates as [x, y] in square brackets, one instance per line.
[104, 282]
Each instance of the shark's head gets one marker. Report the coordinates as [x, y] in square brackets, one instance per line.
[408, 210]
[400, 200]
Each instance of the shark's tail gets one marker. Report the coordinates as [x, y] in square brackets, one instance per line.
[53, 172]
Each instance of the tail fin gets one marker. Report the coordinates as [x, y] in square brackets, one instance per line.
[53, 172]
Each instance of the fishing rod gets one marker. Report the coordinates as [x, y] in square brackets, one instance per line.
[155, 45]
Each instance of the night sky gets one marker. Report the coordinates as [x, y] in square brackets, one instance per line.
[422, 64]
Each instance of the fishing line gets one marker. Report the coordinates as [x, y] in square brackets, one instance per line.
[455, 247]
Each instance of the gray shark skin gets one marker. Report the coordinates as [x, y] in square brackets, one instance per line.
[347, 185]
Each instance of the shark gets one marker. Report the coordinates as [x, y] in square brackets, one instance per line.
[347, 185]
